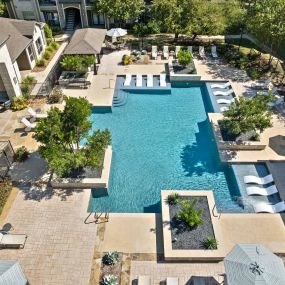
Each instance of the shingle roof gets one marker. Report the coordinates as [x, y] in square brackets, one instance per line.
[20, 33]
[86, 41]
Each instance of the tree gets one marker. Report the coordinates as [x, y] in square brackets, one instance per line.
[2, 8]
[184, 57]
[120, 10]
[248, 115]
[60, 135]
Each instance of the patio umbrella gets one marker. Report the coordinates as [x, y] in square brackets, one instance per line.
[116, 32]
[253, 264]
[277, 143]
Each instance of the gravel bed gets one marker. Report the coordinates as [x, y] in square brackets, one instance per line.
[182, 236]
[189, 69]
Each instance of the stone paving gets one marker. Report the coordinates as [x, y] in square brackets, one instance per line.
[59, 247]
[184, 271]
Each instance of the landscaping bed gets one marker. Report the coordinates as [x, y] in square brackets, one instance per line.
[188, 69]
[184, 237]
[5, 190]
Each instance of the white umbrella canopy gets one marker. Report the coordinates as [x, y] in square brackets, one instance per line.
[116, 32]
[253, 264]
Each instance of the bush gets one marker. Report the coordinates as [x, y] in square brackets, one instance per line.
[253, 73]
[110, 280]
[184, 57]
[56, 30]
[210, 243]
[28, 80]
[46, 55]
[56, 96]
[26, 85]
[54, 45]
[189, 215]
[41, 62]
[127, 59]
[111, 258]
[173, 199]
[77, 63]
[153, 27]
[49, 49]
[48, 31]
[21, 154]
[19, 103]
[5, 190]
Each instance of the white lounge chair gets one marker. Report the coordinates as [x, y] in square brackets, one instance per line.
[255, 190]
[139, 80]
[261, 84]
[214, 51]
[202, 52]
[177, 49]
[172, 281]
[12, 240]
[222, 85]
[144, 280]
[36, 115]
[149, 80]
[279, 101]
[267, 208]
[190, 48]
[165, 52]
[225, 108]
[258, 180]
[162, 79]
[223, 93]
[28, 125]
[225, 101]
[154, 52]
[128, 80]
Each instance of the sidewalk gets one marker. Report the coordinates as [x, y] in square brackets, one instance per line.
[42, 75]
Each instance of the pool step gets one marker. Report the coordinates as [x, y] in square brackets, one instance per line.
[120, 99]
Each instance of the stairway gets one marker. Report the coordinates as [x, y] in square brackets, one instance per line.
[120, 99]
[70, 20]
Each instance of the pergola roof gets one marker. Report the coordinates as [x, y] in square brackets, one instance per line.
[86, 41]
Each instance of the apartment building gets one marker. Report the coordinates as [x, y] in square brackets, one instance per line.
[66, 14]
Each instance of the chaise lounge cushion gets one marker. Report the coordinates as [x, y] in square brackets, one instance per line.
[12, 240]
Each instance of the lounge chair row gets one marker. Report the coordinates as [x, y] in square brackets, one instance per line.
[29, 125]
[162, 80]
[165, 52]
[257, 190]
[146, 280]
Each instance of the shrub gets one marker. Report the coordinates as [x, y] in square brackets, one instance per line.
[253, 73]
[173, 199]
[153, 27]
[127, 59]
[26, 85]
[49, 49]
[41, 62]
[56, 30]
[56, 96]
[29, 80]
[19, 103]
[110, 280]
[5, 190]
[48, 31]
[111, 258]
[184, 57]
[54, 45]
[210, 243]
[47, 55]
[21, 154]
[189, 215]
[77, 63]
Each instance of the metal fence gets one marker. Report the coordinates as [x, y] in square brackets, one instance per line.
[6, 158]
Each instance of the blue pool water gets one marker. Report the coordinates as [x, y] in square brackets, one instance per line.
[162, 142]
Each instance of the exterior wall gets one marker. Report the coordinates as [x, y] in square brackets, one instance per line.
[9, 73]
[2, 87]
[24, 62]
[27, 10]
[38, 34]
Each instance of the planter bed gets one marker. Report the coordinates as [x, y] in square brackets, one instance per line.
[182, 236]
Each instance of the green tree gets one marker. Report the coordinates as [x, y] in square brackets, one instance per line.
[60, 135]
[2, 8]
[248, 115]
[184, 57]
[120, 10]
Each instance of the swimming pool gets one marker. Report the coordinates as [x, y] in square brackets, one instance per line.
[162, 142]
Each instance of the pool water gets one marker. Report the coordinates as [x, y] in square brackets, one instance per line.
[162, 142]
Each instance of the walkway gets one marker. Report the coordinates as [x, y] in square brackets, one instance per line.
[60, 247]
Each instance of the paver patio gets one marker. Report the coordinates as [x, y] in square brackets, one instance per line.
[59, 246]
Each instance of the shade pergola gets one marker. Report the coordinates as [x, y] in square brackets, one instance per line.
[253, 264]
[87, 41]
[11, 273]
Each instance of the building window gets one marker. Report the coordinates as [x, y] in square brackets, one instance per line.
[30, 53]
[98, 19]
[28, 15]
[39, 45]
[51, 18]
